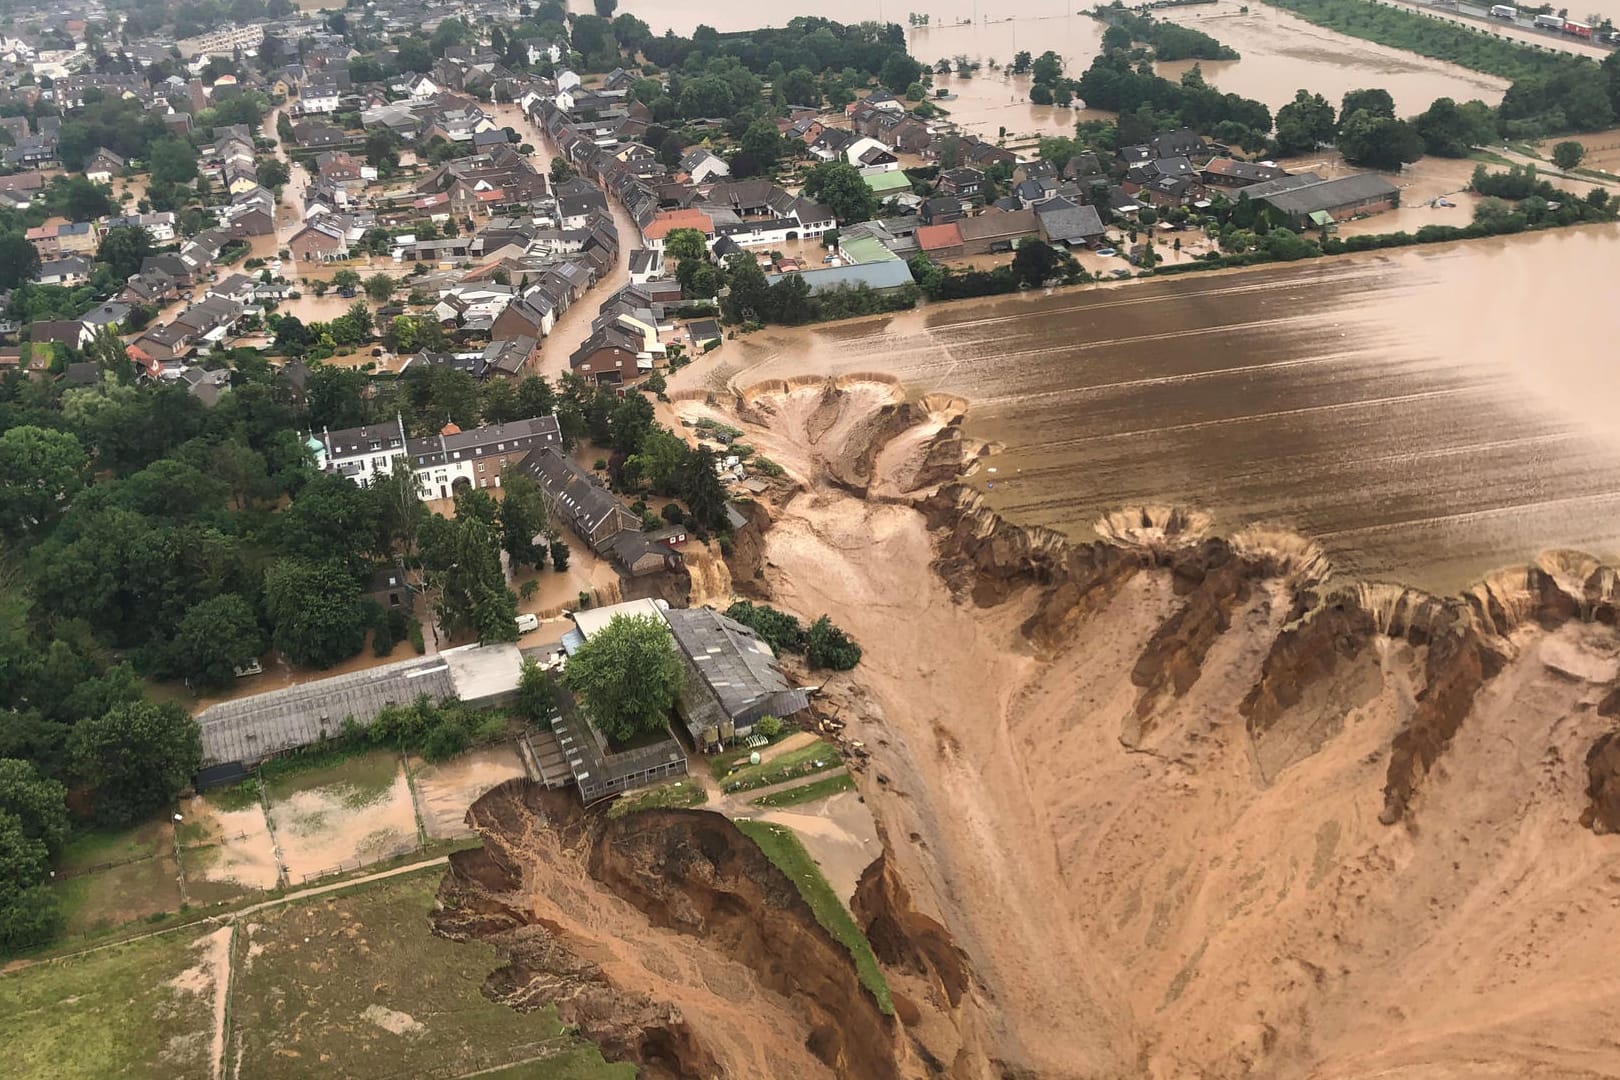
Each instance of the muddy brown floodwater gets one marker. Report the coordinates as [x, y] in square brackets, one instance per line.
[1425, 415]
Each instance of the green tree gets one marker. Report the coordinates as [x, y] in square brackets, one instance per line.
[1304, 123]
[40, 470]
[315, 612]
[124, 249]
[19, 260]
[461, 561]
[763, 143]
[137, 757]
[1035, 262]
[1451, 130]
[172, 161]
[1047, 68]
[272, 172]
[898, 72]
[659, 462]
[841, 187]
[40, 804]
[1378, 142]
[380, 287]
[627, 677]
[799, 88]
[561, 170]
[826, 646]
[1568, 154]
[686, 244]
[534, 397]
[701, 490]
[781, 631]
[606, 8]
[1376, 101]
[214, 638]
[536, 701]
[523, 519]
[346, 279]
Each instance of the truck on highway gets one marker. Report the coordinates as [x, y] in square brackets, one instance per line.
[1549, 22]
[1576, 29]
[1504, 11]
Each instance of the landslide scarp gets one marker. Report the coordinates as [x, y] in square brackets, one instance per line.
[667, 937]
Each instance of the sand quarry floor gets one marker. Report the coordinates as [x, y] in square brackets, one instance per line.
[1170, 897]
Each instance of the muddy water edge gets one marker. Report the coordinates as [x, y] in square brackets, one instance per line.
[1425, 415]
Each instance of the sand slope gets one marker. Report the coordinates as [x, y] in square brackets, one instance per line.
[1142, 887]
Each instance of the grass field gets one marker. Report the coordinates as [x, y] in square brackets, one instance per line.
[130, 1011]
[681, 793]
[356, 985]
[805, 761]
[142, 880]
[788, 854]
[814, 791]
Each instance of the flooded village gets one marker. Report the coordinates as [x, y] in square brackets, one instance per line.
[649, 538]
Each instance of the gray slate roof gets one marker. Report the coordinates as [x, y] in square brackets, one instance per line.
[1327, 194]
[252, 728]
[736, 667]
[888, 274]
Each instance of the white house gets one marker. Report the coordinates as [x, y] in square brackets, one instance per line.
[420, 88]
[705, 165]
[445, 463]
[319, 98]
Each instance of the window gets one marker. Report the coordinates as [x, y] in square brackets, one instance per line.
[480, 466]
[500, 446]
[456, 455]
[375, 445]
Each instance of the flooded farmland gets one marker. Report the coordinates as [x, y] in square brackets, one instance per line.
[1281, 54]
[1427, 414]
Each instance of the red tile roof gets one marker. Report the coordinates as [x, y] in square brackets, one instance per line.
[935, 237]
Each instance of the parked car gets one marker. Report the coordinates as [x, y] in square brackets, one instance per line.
[1120, 273]
[527, 622]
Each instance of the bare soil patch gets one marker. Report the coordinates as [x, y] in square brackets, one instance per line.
[355, 812]
[445, 790]
[225, 852]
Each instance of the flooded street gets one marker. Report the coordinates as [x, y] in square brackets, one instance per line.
[1427, 414]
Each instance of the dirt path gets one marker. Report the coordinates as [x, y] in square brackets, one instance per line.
[219, 949]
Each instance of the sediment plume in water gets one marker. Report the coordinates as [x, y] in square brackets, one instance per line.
[1171, 803]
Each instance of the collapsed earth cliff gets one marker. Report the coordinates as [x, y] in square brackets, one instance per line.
[1166, 803]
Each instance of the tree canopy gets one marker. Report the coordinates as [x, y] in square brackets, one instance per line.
[627, 676]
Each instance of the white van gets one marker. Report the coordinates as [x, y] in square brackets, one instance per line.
[1503, 11]
[527, 622]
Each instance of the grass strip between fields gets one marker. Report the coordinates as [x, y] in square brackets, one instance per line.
[819, 756]
[675, 796]
[811, 792]
[1436, 39]
[789, 855]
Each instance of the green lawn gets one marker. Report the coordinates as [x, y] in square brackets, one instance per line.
[123, 1011]
[681, 793]
[367, 776]
[811, 792]
[722, 763]
[356, 985]
[138, 876]
[805, 761]
[788, 854]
